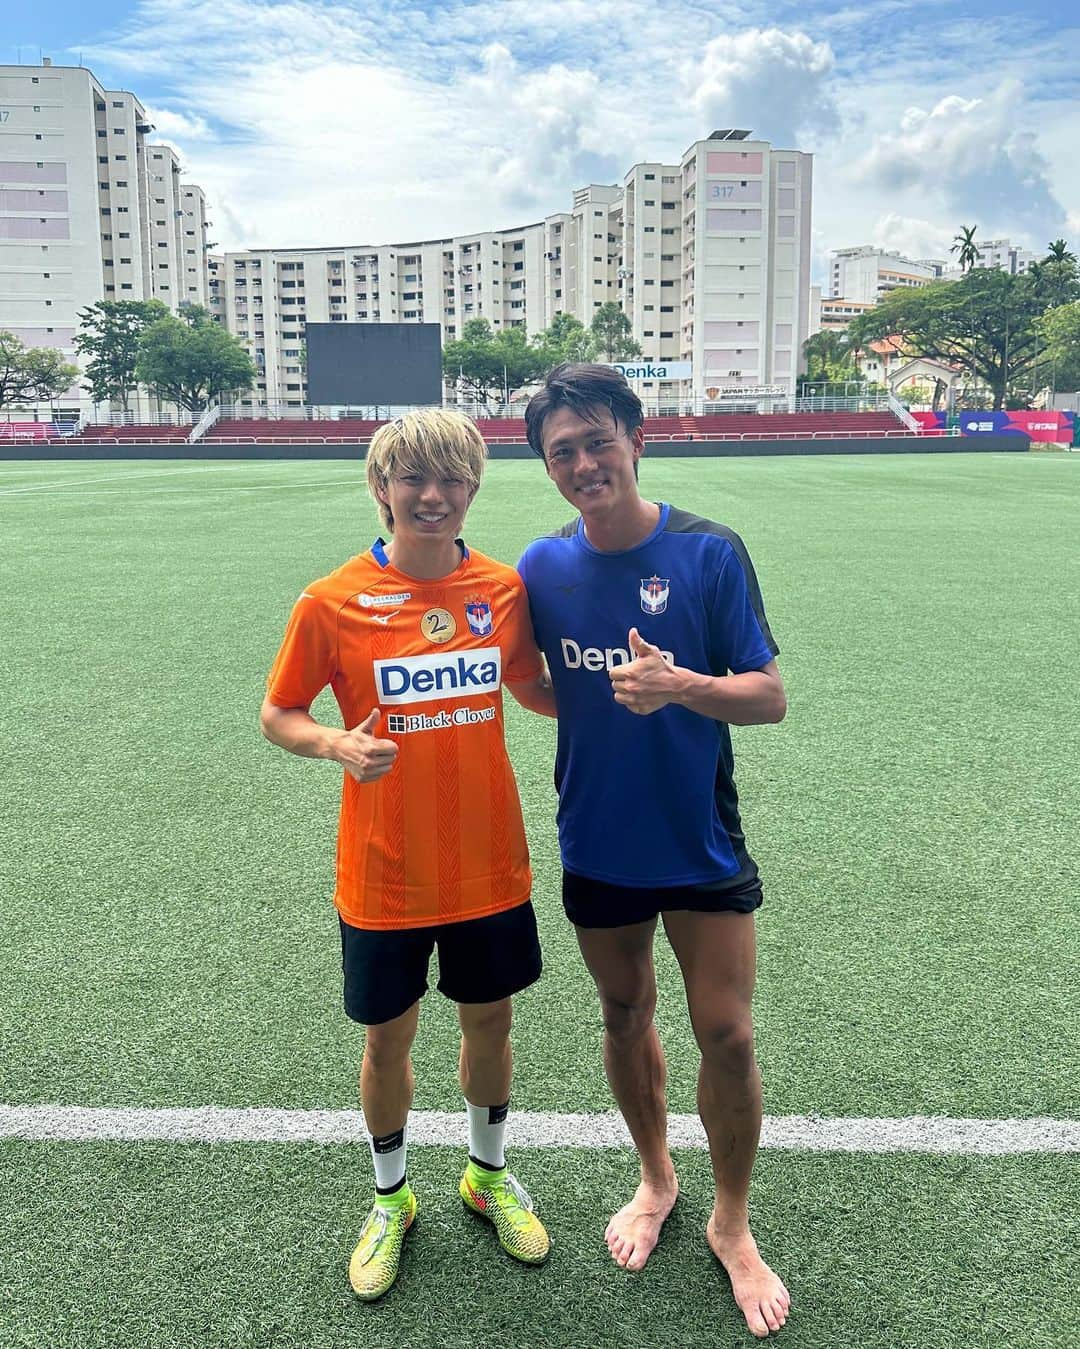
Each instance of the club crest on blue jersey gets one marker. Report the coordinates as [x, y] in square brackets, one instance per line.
[654, 591]
[478, 615]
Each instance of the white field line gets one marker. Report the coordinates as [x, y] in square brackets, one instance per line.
[103, 478]
[158, 491]
[806, 1133]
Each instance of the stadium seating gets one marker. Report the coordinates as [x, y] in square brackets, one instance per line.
[145, 435]
[748, 426]
[241, 430]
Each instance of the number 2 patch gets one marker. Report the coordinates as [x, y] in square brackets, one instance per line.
[438, 626]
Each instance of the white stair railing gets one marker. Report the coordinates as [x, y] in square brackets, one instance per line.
[901, 413]
[205, 422]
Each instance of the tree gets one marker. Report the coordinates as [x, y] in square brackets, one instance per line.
[109, 336]
[1059, 330]
[964, 245]
[32, 374]
[830, 358]
[484, 362]
[983, 323]
[1056, 279]
[566, 340]
[191, 359]
[612, 333]
[1058, 251]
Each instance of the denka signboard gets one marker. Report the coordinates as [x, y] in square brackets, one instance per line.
[653, 369]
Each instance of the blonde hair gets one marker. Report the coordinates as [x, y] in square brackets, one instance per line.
[434, 442]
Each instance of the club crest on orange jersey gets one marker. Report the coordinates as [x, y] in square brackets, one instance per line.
[654, 591]
[478, 616]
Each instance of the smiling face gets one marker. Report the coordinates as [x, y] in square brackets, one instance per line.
[593, 462]
[424, 506]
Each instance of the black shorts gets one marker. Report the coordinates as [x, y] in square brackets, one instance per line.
[480, 960]
[590, 903]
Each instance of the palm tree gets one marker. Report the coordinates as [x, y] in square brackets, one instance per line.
[1058, 251]
[965, 247]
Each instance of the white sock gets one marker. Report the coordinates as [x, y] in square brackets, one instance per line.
[487, 1134]
[388, 1157]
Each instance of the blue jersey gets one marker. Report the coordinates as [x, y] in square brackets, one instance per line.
[645, 800]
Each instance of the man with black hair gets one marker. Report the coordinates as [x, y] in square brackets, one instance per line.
[655, 634]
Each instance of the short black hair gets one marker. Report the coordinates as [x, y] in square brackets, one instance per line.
[583, 388]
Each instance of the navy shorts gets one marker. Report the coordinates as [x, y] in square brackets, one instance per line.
[480, 960]
[590, 903]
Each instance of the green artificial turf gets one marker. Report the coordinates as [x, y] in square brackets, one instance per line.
[150, 1247]
[168, 937]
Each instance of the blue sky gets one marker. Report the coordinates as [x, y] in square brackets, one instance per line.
[338, 122]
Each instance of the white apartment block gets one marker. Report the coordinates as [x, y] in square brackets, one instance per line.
[709, 258]
[833, 315]
[1001, 253]
[89, 209]
[867, 274]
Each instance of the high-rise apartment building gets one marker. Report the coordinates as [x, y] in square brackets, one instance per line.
[866, 274]
[708, 258]
[1001, 253]
[90, 208]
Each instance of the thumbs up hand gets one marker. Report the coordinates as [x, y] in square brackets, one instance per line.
[648, 682]
[362, 754]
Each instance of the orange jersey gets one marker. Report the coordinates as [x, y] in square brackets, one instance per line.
[440, 838]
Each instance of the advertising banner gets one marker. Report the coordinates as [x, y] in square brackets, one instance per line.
[642, 369]
[1051, 427]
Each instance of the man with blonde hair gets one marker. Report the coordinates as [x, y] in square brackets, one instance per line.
[416, 637]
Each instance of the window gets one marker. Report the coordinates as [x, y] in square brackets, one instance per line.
[663, 334]
[118, 130]
[116, 104]
[127, 260]
[106, 210]
[121, 182]
[649, 332]
[649, 202]
[106, 236]
[102, 159]
[120, 158]
[650, 177]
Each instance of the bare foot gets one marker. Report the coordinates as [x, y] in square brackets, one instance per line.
[761, 1295]
[634, 1231]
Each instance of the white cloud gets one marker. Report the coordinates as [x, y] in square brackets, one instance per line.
[169, 124]
[773, 82]
[326, 121]
[973, 159]
[913, 237]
